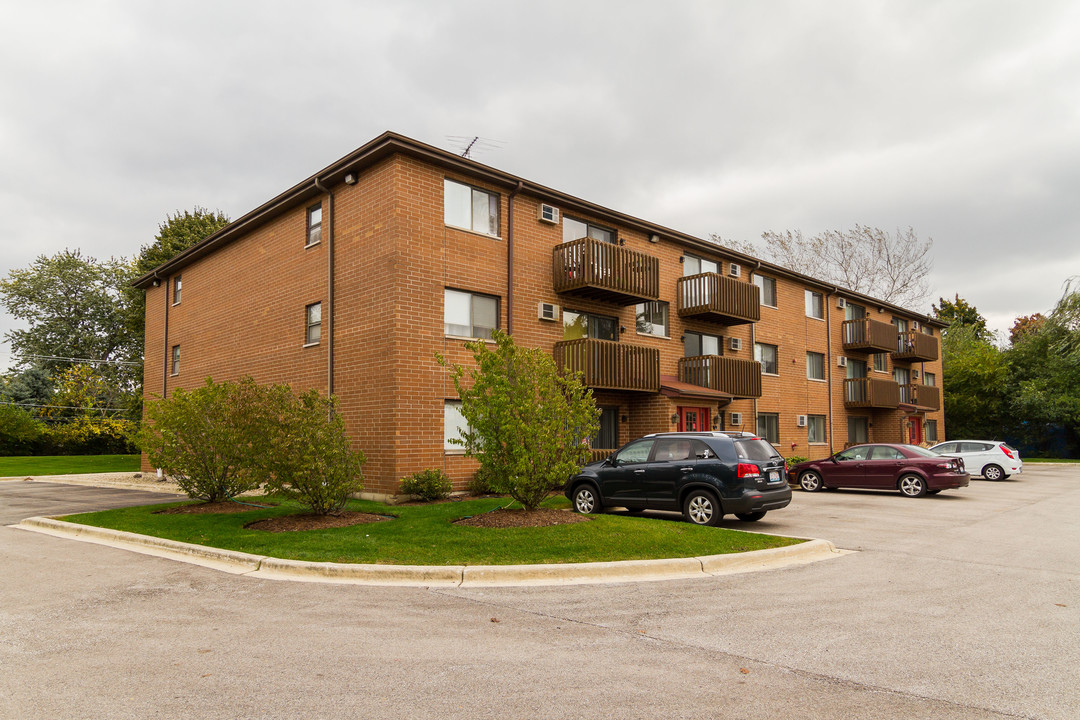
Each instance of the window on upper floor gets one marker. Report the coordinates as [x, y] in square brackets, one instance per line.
[576, 229]
[815, 305]
[768, 427]
[881, 362]
[768, 290]
[314, 225]
[470, 315]
[900, 323]
[853, 311]
[927, 330]
[470, 208]
[694, 265]
[929, 379]
[696, 344]
[176, 290]
[313, 323]
[815, 365]
[175, 359]
[652, 318]
[815, 429]
[766, 355]
[577, 325]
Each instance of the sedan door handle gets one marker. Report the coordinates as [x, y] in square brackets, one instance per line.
[639, 471]
[686, 469]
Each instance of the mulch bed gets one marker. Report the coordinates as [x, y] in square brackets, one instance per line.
[293, 523]
[212, 508]
[502, 518]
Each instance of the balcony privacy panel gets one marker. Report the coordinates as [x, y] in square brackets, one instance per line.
[871, 393]
[611, 365]
[599, 270]
[869, 335]
[718, 298]
[915, 345]
[927, 396]
[739, 378]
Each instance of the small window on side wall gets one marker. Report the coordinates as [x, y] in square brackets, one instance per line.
[175, 359]
[768, 290]
[766, 355]
[313, 320]
[176, 290]
[768, 427]
[454, 424]
[469, 314]
[470, 208]
[815, 305]
[314, 225]
[652, 318]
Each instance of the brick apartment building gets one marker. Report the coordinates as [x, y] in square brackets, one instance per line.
[352, 280]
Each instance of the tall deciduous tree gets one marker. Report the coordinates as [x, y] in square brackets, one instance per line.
[976, 376]
[527, 422]
[959, 311]
[893, 267]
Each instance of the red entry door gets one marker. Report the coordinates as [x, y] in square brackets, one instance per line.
[914, 427]
[693, 419]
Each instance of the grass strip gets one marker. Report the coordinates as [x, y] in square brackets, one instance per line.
[426, 535]
[1050, 460]
[23, 466]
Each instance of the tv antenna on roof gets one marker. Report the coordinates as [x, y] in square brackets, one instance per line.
[469, 146]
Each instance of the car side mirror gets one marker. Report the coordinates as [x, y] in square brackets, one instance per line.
[835, 459]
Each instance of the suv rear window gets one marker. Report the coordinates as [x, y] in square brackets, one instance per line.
[755, 449]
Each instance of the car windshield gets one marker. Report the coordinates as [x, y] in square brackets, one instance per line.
[923, 452]
[755, 449]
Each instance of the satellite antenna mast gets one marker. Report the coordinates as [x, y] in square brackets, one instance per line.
[468, 148]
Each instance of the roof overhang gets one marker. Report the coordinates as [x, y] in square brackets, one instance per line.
[672, 387]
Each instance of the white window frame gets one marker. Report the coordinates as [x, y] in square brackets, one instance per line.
[312, 326]
[814, 301]
[313, 228]
[819, 420]
[472, 326]
[655, 306]
[175, 363]
[761, 281]
[453, 215]
[759, 352]
[453, 423]
[775, 418]
[809, 376]
[177, 287]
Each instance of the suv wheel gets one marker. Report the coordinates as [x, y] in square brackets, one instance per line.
[587, 500]
[702, 508]
[993, 472]
[912, 486]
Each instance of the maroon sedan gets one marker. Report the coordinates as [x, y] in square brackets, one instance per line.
[908, 468]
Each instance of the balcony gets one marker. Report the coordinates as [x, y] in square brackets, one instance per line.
[870, 336]
[871, 393]
[719, 299]
[915, 345]
[738, 378]
[598, 270]
[926, 396]
[609, 365]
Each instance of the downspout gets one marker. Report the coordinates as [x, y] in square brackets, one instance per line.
[510, 258]
[329, 286]
[165, 353]
[828, 362]
[753, 338]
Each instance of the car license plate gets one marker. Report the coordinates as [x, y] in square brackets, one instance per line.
[774, 476]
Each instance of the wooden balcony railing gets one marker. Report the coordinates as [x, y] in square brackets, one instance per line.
[739, 378]
[718, 298]
[610, 365]
[599, 454]
[599, 270]
[915, 345]
[927, 396]
[871, 393]
[868, 335]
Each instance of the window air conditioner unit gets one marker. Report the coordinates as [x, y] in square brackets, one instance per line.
[841, 303]
[914, 324]
[736, 418]
[735, 343]
[915, 374]
[547, 311]
[734, 270]
[841, 361]
[549, 214]
[800, 420]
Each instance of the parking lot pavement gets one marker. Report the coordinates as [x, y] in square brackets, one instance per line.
[962, 605]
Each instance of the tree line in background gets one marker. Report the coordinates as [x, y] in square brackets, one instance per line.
[76, 386]
[1025, 389]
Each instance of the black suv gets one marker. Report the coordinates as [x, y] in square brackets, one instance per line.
[702, 474]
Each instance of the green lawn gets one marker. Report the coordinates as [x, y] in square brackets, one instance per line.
[425, 535]
[1050, 460]
[67, 465]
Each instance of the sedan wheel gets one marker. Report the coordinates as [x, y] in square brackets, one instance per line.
[701, 508]
[810, 481]
[912, 486]
[993, 472]
[586, 500]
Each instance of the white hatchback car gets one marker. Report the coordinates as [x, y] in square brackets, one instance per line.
[992, 459]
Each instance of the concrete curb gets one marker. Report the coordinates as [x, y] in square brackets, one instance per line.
[260, 566]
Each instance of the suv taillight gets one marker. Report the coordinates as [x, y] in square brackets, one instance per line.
[748, 470]
[1006, 451]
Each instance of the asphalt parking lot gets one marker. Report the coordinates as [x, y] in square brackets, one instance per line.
[962, 605]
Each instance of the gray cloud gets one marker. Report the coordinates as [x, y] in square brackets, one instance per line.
[956, 118]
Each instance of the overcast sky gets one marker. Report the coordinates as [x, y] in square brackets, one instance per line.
[959, 119]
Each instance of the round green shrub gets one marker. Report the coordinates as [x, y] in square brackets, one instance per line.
[427, 484]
